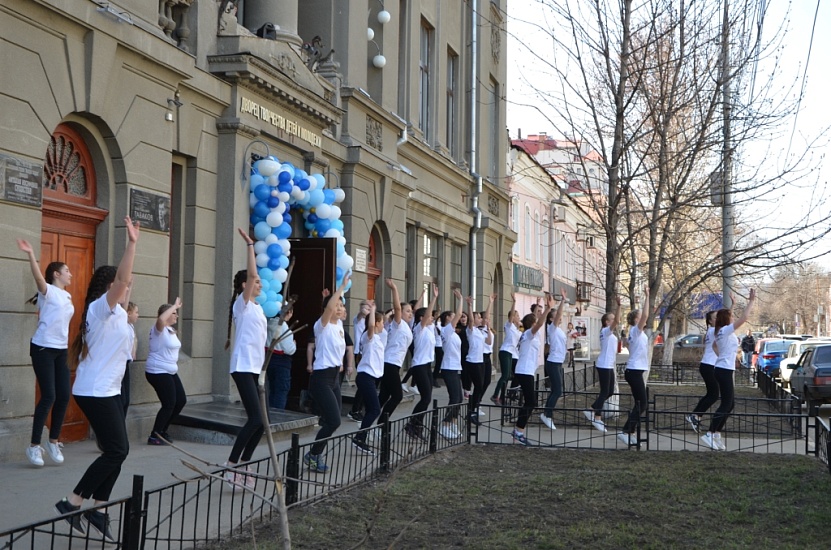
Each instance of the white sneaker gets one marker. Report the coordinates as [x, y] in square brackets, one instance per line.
[250, 481]
[548, 422]
[414, 389]
[599, 425]
[446, 431]
[35, 455]
[719, 442]
[589, 415]
[633, 440]
[626, 439]
[481, 412]
[54, 451]
[710, 441]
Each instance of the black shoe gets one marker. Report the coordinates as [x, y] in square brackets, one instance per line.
[414, 432]
[167, 437]
[63, 507]
[153, 440]
[474, 419]
[362, 446]
[436, 385]
[357, 416]
[100, 521]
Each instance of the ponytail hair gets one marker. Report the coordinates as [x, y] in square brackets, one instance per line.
[98, 286]
[239, 280]
[49, 275]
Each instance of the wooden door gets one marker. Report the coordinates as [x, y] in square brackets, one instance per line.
[373, 267]
[79, 254]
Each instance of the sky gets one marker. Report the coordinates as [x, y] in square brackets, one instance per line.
[814, 116]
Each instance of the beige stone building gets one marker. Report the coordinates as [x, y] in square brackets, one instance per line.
[154, 109]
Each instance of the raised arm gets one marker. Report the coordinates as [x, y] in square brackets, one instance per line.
[549, 303]
[370, 320]
[613, 324]
[746, 313]
[513, 305]
[427, 318]
[487, 315]
[469, 302]
[251, 267]
[558, 315]
[127, 295]
[331, 311]
[161, 320]
[460, 301]
[396, 301]
[124, 274]
[644, 312]
[33, 264]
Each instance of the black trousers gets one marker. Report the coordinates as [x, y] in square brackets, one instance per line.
[172, 397]
[249, 436]
[477, 377]
[453, 381]
[529, 397]
[709, 375]
[724, 377]
[324, 385]
[106, 418]
[638, 386]
[53, 379]
[606, 377]
[390, 393]
[423, 378]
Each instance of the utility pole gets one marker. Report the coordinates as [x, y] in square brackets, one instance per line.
[727, 166]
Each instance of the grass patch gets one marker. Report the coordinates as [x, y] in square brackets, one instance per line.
[511, 497]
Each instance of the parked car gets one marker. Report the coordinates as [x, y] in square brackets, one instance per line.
[688, 349]
[769, 352]
[792, 356]
[811, 377]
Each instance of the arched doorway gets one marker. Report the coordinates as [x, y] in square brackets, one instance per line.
[373, 264]
[70, 218]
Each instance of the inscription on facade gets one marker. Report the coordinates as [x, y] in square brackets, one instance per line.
[277, 120]
[150, 209]
[373, 133]
[21, 181]
[527, 277]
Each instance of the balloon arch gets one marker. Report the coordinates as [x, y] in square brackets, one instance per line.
[277, 189]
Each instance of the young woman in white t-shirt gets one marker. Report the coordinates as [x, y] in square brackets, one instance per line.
[526, 367]
[424, 353]
[370, 370]
[247, 358]
[478, 334]
[101, 350]
[508, 352]
[636, 366]
[726, 346]
[399, 337]
[605, 366]
[451, 366]
[554, 363]
[48, 352]
[707, 369]
[161, 370]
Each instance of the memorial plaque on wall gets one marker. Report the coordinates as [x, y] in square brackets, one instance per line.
[21, 181]
[150, 209]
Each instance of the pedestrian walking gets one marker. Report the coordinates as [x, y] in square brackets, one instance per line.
[370, 371]
[636, 366]
[707, 369]
[526, 367]
[451, 366]
[162, 371]
[424, 353]
[48, 350]
[100, 350]
[399, 338]
[279, 366]
[554, 363]
[605, 366]
[748, 346]
[726, 345]
[508, 352]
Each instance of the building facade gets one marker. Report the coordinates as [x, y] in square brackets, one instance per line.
[154, 109]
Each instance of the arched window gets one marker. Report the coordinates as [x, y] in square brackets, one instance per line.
[537, 237]
[529, 234]
[546, 236]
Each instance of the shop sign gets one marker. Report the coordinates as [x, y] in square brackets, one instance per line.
[21, 181]
[150, 209]
[527, 277]
[277, 120]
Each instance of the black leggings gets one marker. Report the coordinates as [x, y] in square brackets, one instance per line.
[53, 378]
[453, 381]
[437, 363]
[390, 393]
[506, 366]
[710, 382]
[324, 385]
[606, 377]
[172, 396]
[106, 418]
[724, 378]
[249, 436]
[638, 386]
[423, 379]
[487, 374]
[477, 376]
[529, 396]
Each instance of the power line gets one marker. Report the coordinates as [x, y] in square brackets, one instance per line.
[804, 77]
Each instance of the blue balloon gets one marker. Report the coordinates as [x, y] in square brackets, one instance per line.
[299, 175]
[284, 176]
[308, 225]
[266, 274]
[323, 225]
[284, 187]
[274, 263]
[256, 179]
[274, 250]
[284, 262]
[316, 197]
[273, 202]
[304, 184]
[328, 196]
[271, 296]
[340, 250]
[261, 230]
[276, 286]
[261, 298]
[321, 181]
[255, 219]
[267, 284]
[262, 191]
[284, 230]
[261, 209]
[271, 309]
[286, 217]
[337, 224]
[312, 218]
[338, 274]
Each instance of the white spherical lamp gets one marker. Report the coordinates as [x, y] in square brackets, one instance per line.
[370, 34]
[384, 17]
[379, 61]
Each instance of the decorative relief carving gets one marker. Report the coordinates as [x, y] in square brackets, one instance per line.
[373, 133]
[493, 205]
[496, 36]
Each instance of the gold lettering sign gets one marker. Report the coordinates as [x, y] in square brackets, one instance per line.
[279, 121]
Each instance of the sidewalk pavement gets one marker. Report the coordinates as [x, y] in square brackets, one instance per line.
[29, 493]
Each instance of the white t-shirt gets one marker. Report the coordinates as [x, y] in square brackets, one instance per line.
[728, 346]
[108, 339]
[398, 340]
[476, 344]
[276, 329]
[638, 343]
[248, 353]
[511, 340]
[164, 352]
[372, 359]
[529, 352]
[424, 344]
[709, 357]
[556, 343]
[608, 349]
[330, 345]
[437, 332]
[452, 344]
[55, 310]
[488, 348]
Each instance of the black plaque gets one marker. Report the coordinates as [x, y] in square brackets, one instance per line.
[151, 210]
[21, 181]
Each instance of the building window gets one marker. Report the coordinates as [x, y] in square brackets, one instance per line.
[537, 235]
[546, 235]
[403, 61]
[425, 52]
[496, 132]
[452, 129]
[529, 234]
[431, 258]
[456, 254]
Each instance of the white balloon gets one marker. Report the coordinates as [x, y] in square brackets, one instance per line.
[271, 239]
[273, 181]
[332, 233]
[284, 197]
[281, 275]
[296, 192]
[312, 184]
[274, 219]
[345, 262]
[336, 212]
[340, 194]
[323, 210]
[280, 207]
[342, 240]
[259, 247]
[266, 167]
[253, 200]
[262, 260]
[285, 245]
